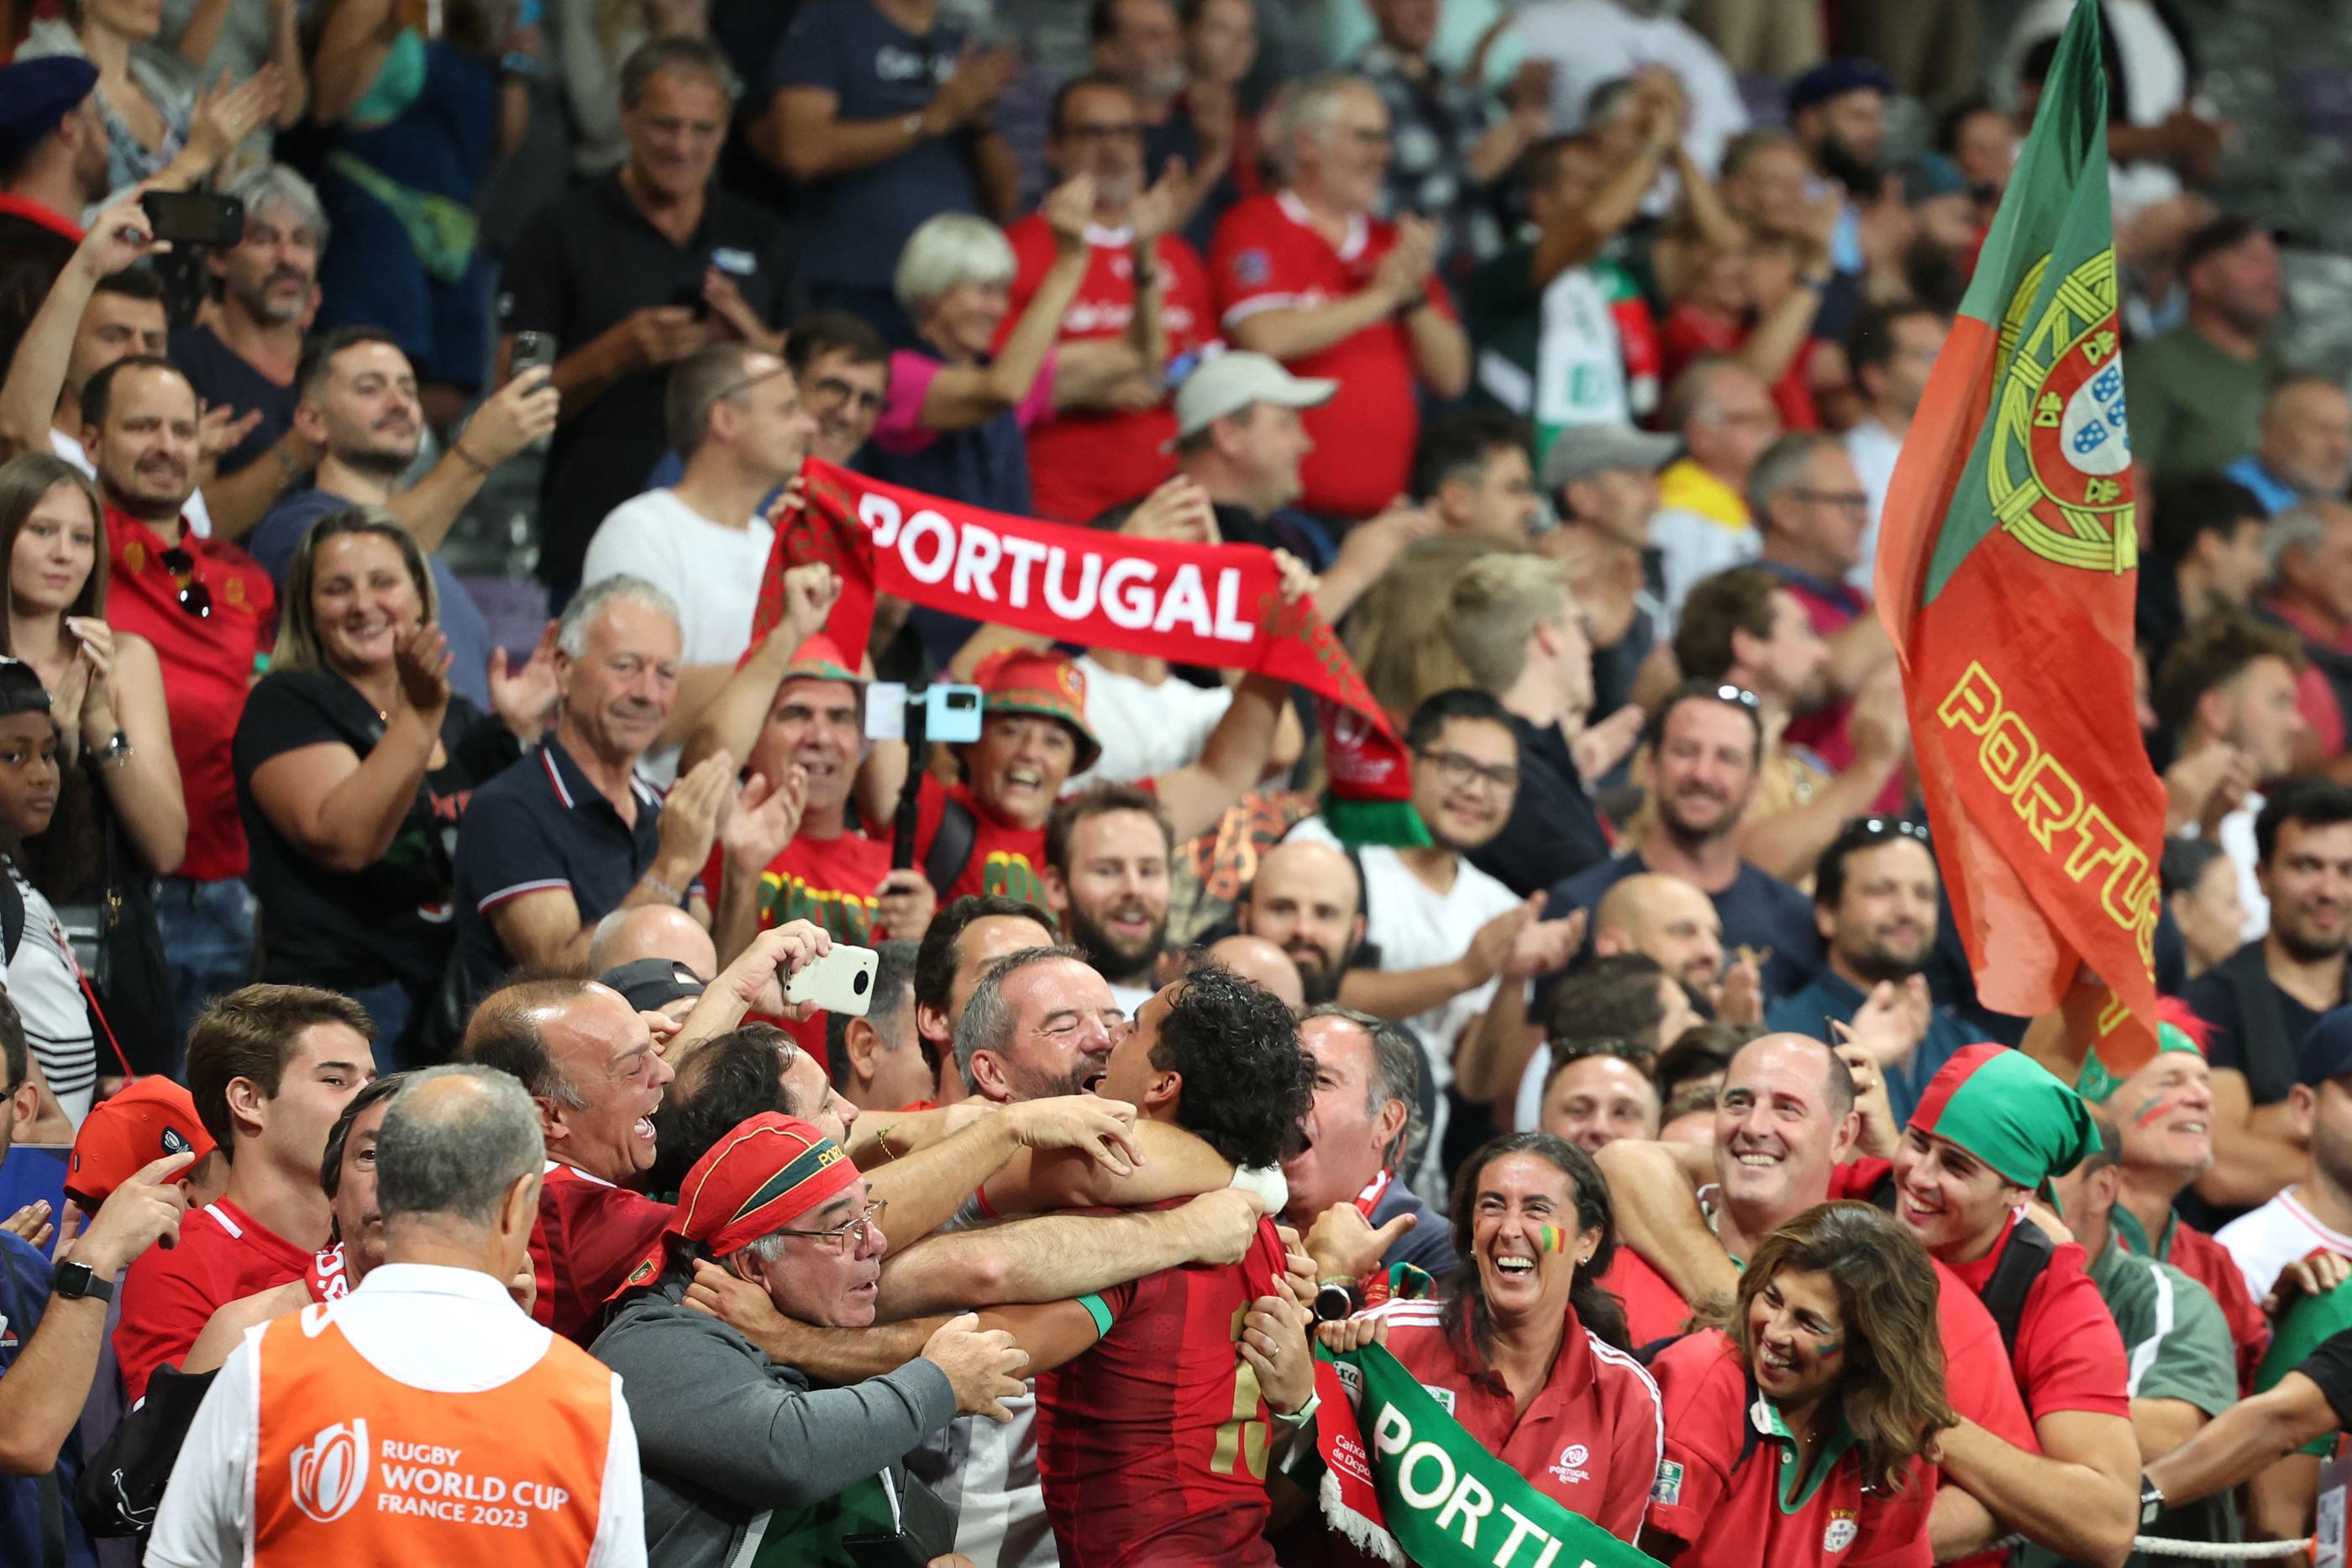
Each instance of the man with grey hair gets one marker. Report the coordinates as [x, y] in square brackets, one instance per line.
[244, 356]
[1311, 277]
[2309, 546]
[603, 270]
[2305, 450]
[570, 832]
[1041, 1022]
[734, 414]
[1724, 414]
[1344, 1195]
[414, 1387]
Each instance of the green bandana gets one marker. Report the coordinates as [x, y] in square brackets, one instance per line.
[2006, 1109]
[1425, 1492]
[2099, 1085]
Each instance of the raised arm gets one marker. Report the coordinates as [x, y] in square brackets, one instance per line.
[117, 238]
[802, 132]
[1654, 1189]
[1055, 1256]
[962, 396]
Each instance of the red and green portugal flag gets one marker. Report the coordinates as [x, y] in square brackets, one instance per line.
[2005, 577]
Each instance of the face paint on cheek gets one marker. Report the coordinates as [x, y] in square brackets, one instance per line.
[1551, 1239]
[2157, 1105]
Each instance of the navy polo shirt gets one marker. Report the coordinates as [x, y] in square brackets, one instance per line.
[24, 1283]
[541, 827]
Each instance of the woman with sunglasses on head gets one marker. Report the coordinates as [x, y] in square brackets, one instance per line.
[1525, 1345]
[354, 761]
[1796, 1432]
[120, 819]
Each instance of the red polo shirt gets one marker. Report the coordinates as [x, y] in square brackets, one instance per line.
[1592, 1437]
[1268, 257]
[1083, 464]
[32, 212]
[170, 1294]
[1730, 1487]
[209, 662]
[1006, 858]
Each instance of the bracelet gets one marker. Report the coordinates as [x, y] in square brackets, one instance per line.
[476, 463]
[118, 751]
[913, 125]
[292, 469]
[664, 889]
[1303, 1414]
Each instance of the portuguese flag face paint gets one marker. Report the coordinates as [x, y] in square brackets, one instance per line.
[2005, 577]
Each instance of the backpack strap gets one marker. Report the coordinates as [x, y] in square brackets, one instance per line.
[2029, 1253]
[951, 846]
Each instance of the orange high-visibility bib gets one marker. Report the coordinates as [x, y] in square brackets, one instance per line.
[352, 1467]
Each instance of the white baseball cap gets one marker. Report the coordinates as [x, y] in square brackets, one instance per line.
[1232, 381]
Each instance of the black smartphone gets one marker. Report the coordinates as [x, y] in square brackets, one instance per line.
[195, 217]
[689, 297]
[532, 348]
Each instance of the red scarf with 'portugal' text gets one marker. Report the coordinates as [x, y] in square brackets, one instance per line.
[1217, 605]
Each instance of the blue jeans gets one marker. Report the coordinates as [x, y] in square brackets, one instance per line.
[390, 1006]
[207, 928]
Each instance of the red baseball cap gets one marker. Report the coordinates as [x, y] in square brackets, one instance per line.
[1026, 680]
[760, 1177]
[149, 1119]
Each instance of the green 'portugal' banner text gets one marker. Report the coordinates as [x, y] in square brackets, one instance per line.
[1404, 1482]
[2006, 568]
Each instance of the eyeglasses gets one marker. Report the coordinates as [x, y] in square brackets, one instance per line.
[1460, 772]
[195, 597]
[850, 1234]
[1844, 500]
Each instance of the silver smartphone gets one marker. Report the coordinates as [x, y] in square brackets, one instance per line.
[840, 982]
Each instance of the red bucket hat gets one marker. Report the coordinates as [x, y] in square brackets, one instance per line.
[1026, 680]
[820, 659]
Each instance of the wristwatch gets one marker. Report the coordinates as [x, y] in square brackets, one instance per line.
[118, 750]
[2151, 1500]
[78, 1282]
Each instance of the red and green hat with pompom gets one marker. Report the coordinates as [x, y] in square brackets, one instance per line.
[2007, 1109]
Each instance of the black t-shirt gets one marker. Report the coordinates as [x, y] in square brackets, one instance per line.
[350, 930]
[2330, 1366]
[1553, 832]
[2208, 997]
[582, 264]
[224, 380]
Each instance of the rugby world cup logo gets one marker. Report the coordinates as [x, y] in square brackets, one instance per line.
[330, 1471]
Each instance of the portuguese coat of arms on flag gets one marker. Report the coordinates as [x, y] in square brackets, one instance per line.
[2005, 576]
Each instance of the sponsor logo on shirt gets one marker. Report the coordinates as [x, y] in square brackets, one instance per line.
[331, 1470]
[733, 262]
[1841, 1530]
[7, 1337]
[1667, 1491]
[892, 63]
[1570, 1470]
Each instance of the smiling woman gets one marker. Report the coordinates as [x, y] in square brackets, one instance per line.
[354, 762]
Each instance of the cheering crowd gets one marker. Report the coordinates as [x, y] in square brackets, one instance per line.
[1433, 876]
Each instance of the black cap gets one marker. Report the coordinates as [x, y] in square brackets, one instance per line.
[2224, 232]
[1835, 78]
[35, 95]
[650, 984]
[2326, 1050]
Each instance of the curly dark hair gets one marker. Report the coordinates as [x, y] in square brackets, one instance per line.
[727, 1081]
[1248, 1080]
[1464, 1315]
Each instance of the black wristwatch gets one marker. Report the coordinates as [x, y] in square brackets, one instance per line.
[2151, 1501]
[78, 1283]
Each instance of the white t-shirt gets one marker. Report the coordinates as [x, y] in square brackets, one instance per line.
[712, 570]
[1131, 999]
[2268, 1238]
[45, 982]
[199, 516]
[1873, 449]
[1590, 42]
[1145, 730]
[1692, 546]
[438, 1330]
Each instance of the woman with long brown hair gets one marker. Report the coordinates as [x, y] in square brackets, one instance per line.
[1797, 1434]
[120, 819]
[1524, 1343]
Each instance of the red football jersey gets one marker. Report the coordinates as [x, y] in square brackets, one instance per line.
[1004, 857]
[1729, 1488]
[1152, 1446]
[1592, 1439]
[1266, 256]
[588, 1236]
[169, 1294]
[1083, 464]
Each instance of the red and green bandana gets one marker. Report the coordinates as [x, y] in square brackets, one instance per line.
[2099, 1085]
[758, 1177]
[2006, 1109]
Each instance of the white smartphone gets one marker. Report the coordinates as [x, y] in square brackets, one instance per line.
[840, 982]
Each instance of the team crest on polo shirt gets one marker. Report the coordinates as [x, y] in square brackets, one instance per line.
[1570, 1470]
[234, 591]
[331, 1470]
[1842, 1528]
[1667, 1490]
[134, 554]
[1252, 268]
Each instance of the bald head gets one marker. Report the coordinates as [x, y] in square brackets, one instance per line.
[1307, 901]
[1261, 963]
[455, 1142]
[1666, 919]
[588, 1058]
[2306, 435]
[652, 931]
